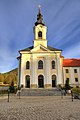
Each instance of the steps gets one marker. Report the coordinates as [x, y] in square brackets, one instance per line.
[40, 92]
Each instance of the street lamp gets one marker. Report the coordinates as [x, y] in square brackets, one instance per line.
[19, 92]
[72, 95]
[8, 94]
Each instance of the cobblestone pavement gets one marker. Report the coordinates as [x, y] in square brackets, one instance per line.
[39, 108]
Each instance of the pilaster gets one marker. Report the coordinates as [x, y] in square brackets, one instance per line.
[72, 75]
[47, 72]
[19, 72]
[22, 73]
[59, 70]
[78, 76]
[33, 79]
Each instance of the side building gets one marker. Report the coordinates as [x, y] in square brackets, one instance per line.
[71, 71]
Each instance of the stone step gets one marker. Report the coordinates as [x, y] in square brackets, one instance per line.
[40, 92]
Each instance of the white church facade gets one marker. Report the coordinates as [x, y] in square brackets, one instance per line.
[42, 66]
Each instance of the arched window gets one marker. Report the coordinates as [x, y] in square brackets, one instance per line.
[40, 64]
[27, 65]
[53, 77]
[53, 64]
[40, 34]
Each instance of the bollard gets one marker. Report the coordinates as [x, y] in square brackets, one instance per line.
[8, 95]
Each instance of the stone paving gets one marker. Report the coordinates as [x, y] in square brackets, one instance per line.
[39, 108]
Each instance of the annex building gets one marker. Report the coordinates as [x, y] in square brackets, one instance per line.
[42, 66]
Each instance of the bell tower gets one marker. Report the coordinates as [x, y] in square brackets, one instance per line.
[40, 30]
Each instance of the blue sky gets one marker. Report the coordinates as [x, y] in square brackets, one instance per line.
[17, 18]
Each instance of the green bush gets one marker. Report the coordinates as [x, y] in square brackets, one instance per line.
[2, 92]
[67, 86]
[76, 90]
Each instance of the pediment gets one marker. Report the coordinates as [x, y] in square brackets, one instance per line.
[40, 48]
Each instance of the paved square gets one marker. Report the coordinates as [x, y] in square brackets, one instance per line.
[39, 108]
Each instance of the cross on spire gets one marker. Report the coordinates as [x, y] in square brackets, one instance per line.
[39, 6]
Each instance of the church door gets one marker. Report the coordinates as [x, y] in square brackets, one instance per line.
[41, 81]
[53, 80]
[27, 81]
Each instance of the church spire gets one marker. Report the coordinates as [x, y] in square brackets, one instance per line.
[39, 6]
[40, 30]
[39, 17]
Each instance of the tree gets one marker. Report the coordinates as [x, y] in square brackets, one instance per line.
[11, 88]
[1, 77]
[67, 86]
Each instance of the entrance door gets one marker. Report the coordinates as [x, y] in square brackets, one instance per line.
[40, 81]
[53, 80]
[27, 81]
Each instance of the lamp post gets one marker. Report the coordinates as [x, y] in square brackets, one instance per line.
[19, 92]
[62, 93]
[8, 94]
[72, 95]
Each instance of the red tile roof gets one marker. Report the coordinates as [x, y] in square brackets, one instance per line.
[71, 63]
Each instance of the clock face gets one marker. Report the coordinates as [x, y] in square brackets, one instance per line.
[40, 28]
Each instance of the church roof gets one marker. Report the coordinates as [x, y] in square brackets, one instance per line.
[53, 49]
[71, 63]
[49, 47]
[27, 49]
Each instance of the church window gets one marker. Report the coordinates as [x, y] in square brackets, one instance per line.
[40, 64]
[27, 65]
[76, 79]
[75, 70]
[53, 64]
[67, 71]
[40, 34]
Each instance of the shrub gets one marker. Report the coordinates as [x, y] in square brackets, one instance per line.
[11, 88]
[67, 86]
[76, 90]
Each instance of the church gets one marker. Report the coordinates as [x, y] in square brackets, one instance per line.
[42, 66]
